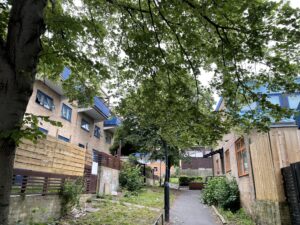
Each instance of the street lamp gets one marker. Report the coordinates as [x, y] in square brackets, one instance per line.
[167, 187]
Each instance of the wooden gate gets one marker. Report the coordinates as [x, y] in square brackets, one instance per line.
[291, 178]
[90, 180]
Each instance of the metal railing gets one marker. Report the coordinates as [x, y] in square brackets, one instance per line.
[159, 220]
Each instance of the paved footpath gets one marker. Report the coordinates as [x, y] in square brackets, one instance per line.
[188, 210]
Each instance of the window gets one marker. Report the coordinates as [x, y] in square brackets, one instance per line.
[85, 125]
[95, 156]
[66, 112]
[63, 138]
[274, 99]
[43, 130]
[242, 157]
[155, 169]
[227, 161]
[81, 145]
[44, 100]
[97, 132]
[294, 101]
[108, 138]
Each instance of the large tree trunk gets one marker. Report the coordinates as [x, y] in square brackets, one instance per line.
[18, 61]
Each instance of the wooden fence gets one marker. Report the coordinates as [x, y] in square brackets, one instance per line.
[50, 155]
[110, 161]
[26, 182]
[269, 153]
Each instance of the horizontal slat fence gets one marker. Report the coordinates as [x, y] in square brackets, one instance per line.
[33, 182]
[110, 161]
[50, 155]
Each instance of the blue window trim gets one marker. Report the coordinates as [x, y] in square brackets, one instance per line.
[45, 95]
[63, 138]
[69, 108]
[97, 134]
[43, 130]
[83, 120]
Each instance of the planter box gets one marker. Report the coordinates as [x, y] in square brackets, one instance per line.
[195, 186]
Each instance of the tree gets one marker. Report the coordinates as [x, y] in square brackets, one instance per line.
[134, 40]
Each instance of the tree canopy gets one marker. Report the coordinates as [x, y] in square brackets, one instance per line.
[154, 52]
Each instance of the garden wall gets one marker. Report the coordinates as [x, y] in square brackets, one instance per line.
[108, 180]
[34, 208]
[37, 208]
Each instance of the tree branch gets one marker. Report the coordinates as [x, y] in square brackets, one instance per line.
[127, 6]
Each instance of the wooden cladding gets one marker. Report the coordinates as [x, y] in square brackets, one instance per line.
[50, 155]
[270, 152]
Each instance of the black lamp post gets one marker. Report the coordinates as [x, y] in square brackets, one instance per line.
[167, 187]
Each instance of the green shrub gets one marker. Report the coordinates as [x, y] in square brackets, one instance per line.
[185, 180]
[70, 194]
[222, 192]
[130, 177]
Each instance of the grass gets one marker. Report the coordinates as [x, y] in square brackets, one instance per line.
[238, 218]
[150, 197]
[114, 213]
[174, 180]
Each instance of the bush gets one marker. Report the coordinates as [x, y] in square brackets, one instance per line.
[130, 178]
[222, 192]
[70, 194]
[185, 180]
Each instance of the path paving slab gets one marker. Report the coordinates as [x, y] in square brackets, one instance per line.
[188, 210]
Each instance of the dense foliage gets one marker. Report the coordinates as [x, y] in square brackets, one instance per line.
[222, 192]
[185, 180]
[70, 194]
[130, 177]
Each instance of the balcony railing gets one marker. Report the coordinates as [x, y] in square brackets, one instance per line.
[115, 121]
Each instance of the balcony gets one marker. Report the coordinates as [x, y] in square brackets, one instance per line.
[99, 111]
[111, 124]
[57, 85]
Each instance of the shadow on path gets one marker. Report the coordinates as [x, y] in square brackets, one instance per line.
[188, 210]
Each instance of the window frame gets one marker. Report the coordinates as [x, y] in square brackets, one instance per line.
[99, 129]
[67, 107]
[43, 130]
[108, 137]
[62, 138]
[240, 161]
[87, 122]
[227, 161]
[45, 96]
[287, 99]
[95, 155]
